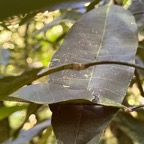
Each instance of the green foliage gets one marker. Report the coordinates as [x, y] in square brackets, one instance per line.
[7, 111]
[80, 102]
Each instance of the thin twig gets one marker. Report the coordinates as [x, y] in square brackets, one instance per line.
[134, 108]
[139, 83]
[79, 66]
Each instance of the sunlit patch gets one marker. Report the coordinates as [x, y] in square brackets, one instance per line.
[29, 60]
[127, 3]
[58, 29]
[134, 114]
[141, 100]
[109, 136]
[8, 45]
[13, 26]
[86, 4]
[31, 123]
[32, 119]
[131, 102]
[37, 64]
[39, 26]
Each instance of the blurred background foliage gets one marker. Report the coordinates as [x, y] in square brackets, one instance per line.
[28, 39]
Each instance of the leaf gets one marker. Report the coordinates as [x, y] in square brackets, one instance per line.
[136, 9]
[132, 127]
[12, 83]
[7, 111]
[17, 7]
[4, 56]
[102, 34]
[79, 122]
[52, 93]
[26, 135]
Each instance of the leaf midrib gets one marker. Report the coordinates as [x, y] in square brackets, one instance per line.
[100, 46]
[93, 69]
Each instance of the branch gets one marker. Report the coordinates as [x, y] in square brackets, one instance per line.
[79, 66]
[134, 108]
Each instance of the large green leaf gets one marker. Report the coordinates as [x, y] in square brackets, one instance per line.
[106, 33]
[9, 8]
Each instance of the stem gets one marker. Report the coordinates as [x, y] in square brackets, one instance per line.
[134, 108]
[79, 66]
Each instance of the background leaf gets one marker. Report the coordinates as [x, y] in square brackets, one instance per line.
[136, 8]
[128, 125]
[80, 122]
[16, 7]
